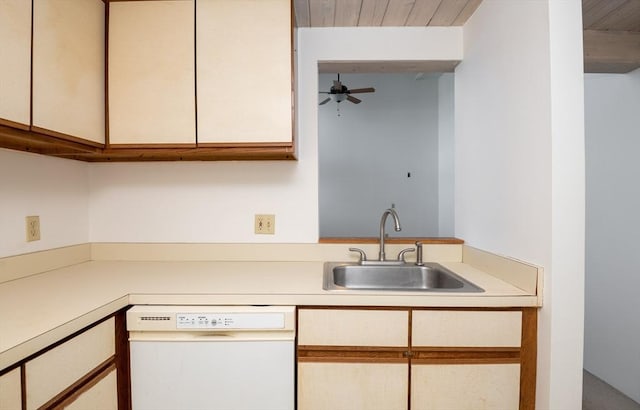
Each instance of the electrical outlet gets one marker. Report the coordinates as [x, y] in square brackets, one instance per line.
[33, 228]
[265, 224]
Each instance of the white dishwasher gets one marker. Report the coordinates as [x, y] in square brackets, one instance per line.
[212, 357]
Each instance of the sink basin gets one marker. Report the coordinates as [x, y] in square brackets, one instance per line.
[431, 277]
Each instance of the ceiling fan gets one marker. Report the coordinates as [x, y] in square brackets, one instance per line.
[339, 92]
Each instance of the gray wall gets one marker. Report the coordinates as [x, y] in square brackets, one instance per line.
[612, 301]
[367, 152]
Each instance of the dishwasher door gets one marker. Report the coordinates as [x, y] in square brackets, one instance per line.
[213, 358]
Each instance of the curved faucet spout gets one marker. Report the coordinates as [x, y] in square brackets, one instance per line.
[383, 220]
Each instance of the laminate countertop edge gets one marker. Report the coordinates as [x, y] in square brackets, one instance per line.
[41, 309]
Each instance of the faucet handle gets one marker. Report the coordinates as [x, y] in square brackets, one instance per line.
[404, 252]
[419, 254]
[363, 256]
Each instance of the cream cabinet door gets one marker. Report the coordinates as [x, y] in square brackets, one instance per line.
[353, 327]
[445, 328]
[68, 68]
[101, 396]
[50, 373]
[352, 386]
[10, 390]
[151, 72]
[15, 66]
[465, 387]
[244, 71]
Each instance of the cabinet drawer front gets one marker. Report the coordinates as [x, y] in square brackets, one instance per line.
[444, 328]
[10, 392]
[335, 327]
[103, 395]
[352, 386]
[465, 387]
[57, 369]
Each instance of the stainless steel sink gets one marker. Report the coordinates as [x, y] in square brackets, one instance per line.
[430, 277]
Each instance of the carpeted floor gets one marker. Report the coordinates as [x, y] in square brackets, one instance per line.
[598, 395]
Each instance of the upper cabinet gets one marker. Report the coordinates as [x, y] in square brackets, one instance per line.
[244, 71]
[152, 72]
[68, 69]
[99, 80]
[15, 69]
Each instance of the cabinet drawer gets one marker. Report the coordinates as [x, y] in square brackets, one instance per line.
[346, 327]
[103, 395]
[445, 328]
[10, 392]
[52, 372]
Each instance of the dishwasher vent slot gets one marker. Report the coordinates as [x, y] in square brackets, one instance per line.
[155, 318]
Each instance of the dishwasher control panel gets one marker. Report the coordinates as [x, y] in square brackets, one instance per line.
[230, 321]
[210, 319]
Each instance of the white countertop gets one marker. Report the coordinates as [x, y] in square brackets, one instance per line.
[40, 309]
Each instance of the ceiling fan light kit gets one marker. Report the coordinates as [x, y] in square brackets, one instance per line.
[340, 92]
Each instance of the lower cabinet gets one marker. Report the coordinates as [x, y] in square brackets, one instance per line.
[371, 386]
[465, 386]
[55, 370]
[457, 359]
[10, 390]
[88, 370]
[103, 395]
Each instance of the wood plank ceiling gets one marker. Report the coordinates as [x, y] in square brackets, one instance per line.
[611, 35]
[611, 27]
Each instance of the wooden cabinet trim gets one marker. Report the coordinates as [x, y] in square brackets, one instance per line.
[528, 358]
[83, 384]
[352, 354]
[67, 137]
[65, 147]
[122, 361]
[23, 385]
[13, 124]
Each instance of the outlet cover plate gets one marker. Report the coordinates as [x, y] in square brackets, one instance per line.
[265, 224]
[33, 228]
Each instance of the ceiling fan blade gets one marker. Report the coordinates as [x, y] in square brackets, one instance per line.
[324, 92]
[353, 99]
[362, 90]
[325, 101]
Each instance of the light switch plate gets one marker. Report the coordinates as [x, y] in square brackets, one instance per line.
[265, 224]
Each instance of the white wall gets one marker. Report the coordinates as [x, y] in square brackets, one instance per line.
[612, 326]
[446, 154]
[380, 152]
[204, 201]
[55, 189]
[520, 166]
[216, 202]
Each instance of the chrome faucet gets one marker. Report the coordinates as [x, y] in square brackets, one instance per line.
[383, 220]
